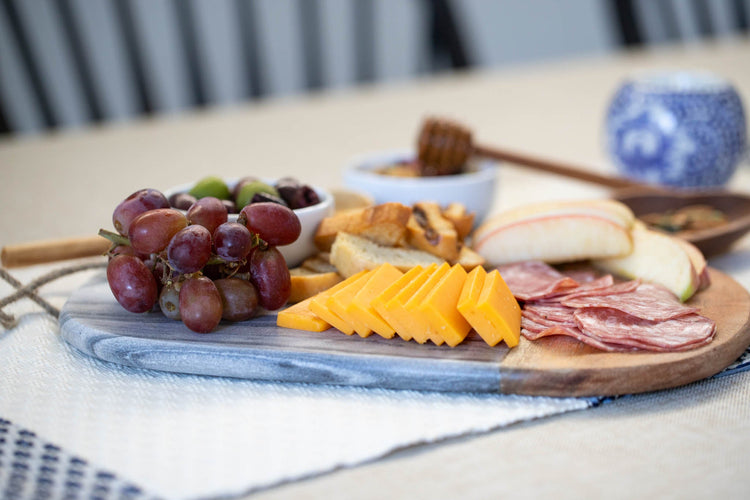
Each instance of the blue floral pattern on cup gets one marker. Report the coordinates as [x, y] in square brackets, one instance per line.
[677, 129]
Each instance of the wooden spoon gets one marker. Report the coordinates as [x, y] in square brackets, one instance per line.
[444, 146]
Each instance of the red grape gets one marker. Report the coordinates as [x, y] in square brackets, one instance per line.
[123, 250]
[274, 223]
[270, 275]
[200, 304]
[169, 300]
[232, 241]
[151, 231]
[208, 212]
[132, 283]
[189, 249]
[134, 205]
[239, 298]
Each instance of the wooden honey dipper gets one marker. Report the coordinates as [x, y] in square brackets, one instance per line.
[444, 146]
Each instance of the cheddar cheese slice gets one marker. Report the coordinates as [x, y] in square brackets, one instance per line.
[396, 314]
[380, 301]
[307, 284]
[362, 307]
[415, 321]
[300, 317]
[319, 307]
[439, 308]
[338, 302]
[489, 306]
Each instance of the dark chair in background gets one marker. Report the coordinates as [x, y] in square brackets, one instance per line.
[68, 63]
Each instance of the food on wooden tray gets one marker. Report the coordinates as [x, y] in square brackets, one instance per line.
[134, 205]
[362, 305]
[404, 236]
[463, 220]
[379, 301]
[199, 267]
[351, 254]
[687, 218]
[299, 316]
[319, 305]
[489, 306]
[440, 308]
[393, 310]
[609, 316]
[339, 302]
[384, 224]
[556, 232]
[424, 303]
[286, 191]
[306, 283]
[414, 323]
[429, 230]
[660, 258]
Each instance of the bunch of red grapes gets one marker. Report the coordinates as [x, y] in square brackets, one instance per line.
[196, 265]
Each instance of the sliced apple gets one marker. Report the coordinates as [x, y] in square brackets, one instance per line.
[613, 210]
[659, 258]
[556, 232]
[699, 263]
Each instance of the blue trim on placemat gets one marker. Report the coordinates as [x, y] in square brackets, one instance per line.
[742, 364]
[32, 468]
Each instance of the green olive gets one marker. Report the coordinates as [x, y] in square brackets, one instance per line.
[211, 186]
[245, 196]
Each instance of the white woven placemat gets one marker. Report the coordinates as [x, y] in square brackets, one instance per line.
[132, 433]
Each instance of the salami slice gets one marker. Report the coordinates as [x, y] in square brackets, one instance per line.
[581, 275]
[674, 334]
[601, 285]
[647, 301]
[531, 280]
[549, 313]
[577, 334]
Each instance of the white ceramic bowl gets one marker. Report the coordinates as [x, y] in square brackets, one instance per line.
[309, 218]
[475, 190]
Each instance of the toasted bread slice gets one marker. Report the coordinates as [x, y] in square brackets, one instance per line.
[384, 224]
[462, 220]
[428, 230]
[469, 259]
[351, 254]
[319, 263]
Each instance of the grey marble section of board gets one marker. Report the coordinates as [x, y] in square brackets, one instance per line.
[93, 322]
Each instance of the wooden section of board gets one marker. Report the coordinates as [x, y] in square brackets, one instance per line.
[94, 323]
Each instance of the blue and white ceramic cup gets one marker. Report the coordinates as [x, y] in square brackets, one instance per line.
[678, 129]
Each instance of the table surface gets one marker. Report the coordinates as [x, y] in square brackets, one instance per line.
[691, 441]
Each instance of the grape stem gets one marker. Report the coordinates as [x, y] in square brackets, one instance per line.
[115, 238]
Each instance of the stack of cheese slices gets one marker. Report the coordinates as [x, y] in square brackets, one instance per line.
[440, 303]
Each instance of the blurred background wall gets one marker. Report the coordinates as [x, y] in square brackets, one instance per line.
[72, 63]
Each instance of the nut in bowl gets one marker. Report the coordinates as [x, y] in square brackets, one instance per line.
[309, 217]
[474, 188]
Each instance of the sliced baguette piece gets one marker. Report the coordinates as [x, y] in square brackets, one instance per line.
[428, 230]
[384, 224]
[319, 263]
[462, 220]
[469, 259]
[351, 254]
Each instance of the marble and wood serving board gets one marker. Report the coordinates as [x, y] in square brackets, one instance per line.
[94, 323]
